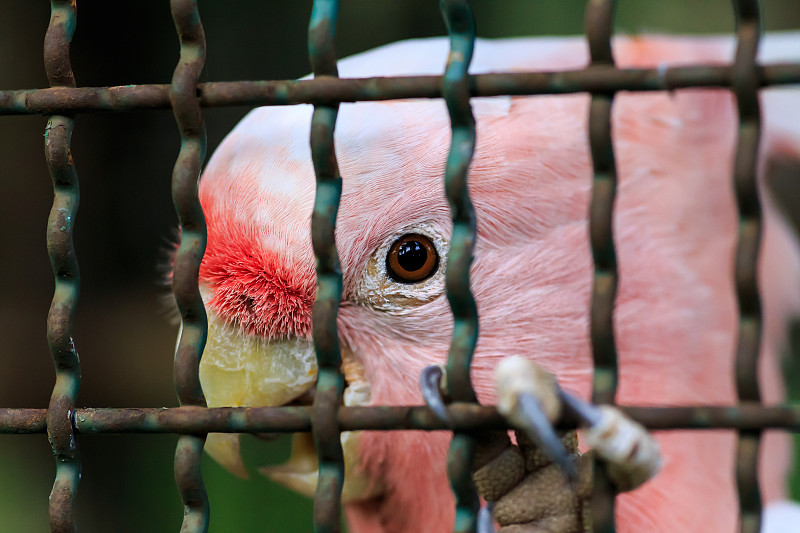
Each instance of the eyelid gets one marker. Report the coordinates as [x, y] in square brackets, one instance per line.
[378, 290]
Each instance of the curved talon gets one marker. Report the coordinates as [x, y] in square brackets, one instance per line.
[430, 382]
[530, 398]
[587, 414]
[540, 430]
[633, 454]
[543, 483]
[485, 522]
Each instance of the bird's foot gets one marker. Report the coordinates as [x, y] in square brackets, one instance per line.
[542, 484]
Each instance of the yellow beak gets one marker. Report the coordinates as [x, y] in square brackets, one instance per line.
[240, 370]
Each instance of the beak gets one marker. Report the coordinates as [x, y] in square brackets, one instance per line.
[225, 448]
[240, 370]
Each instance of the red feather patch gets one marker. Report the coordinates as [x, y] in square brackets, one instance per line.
[263, 291]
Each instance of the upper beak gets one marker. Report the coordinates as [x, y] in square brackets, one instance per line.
[240, 370]
[244, 370]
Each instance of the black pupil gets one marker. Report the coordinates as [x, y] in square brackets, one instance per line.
[411, 256]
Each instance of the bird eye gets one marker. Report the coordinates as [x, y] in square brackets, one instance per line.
[412, 258]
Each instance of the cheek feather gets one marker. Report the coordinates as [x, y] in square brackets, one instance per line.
[263, 290]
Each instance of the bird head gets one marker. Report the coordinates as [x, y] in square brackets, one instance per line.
[530, 183]
[258, 279]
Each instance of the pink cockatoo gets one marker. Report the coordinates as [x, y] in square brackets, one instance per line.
[530, 181]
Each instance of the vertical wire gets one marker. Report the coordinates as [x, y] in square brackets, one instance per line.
[746, 81]
[330, 381]
[60, 248]
[194, 323]
[455, 91]
[599, 21]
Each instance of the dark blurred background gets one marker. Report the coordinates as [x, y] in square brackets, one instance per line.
[126, 221]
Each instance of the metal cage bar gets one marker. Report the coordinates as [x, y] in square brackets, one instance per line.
[329, 90]
[599, 22]
[455, 91]
[463, 417]
[194, 323]
[330, 381]
[60, 248]
[327, 418]
[745, 89]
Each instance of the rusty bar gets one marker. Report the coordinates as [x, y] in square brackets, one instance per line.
[745, 84]
[599, 23]
[327, 418]
[194, 323]
[460, 24]
[330, 381]
[328, 91]
[60, 248]
[465, 417]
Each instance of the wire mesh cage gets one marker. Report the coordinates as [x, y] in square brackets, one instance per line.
[326, 419]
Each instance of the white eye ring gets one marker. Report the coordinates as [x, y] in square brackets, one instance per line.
[379, 290]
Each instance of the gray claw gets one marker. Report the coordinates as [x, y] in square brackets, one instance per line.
[541, 432]
[485, 522]
[430, 381]
[587, 414]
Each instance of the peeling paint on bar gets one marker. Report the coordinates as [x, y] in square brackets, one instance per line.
[599, 26]
[329, 90]
[194, 323]
[465, 416]
[456, 93]
[330, 381]
[327, 418]
[60, 429]
[745, 84]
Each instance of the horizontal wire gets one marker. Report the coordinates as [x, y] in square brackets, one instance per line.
[464, 416]
[329, 90]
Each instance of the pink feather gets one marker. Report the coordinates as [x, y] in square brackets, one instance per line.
[530, 182]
